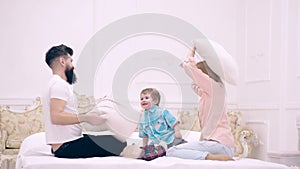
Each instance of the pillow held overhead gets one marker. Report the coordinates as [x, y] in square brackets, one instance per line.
[218, 59]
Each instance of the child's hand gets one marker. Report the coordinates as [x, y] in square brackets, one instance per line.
[178, 141]
[177, 135]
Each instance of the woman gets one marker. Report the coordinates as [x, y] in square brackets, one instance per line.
[216, 142]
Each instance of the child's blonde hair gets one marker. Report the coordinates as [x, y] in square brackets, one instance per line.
[154, 94]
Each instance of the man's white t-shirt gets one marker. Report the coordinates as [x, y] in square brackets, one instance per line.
[56, 134]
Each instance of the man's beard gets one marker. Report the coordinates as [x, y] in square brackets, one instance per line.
[71, 77]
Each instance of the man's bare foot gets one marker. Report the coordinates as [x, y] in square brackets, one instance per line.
[220, 157]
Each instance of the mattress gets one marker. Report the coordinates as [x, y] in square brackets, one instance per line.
[35, 154]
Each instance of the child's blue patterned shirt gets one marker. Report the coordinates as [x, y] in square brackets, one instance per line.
[158, 125]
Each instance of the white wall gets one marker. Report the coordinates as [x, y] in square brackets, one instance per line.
[270, 59]
[28, 30]
[263, 36]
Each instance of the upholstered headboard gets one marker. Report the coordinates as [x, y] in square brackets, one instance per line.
[16, 126]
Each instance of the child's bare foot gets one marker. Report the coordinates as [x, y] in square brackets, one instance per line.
[220, 157]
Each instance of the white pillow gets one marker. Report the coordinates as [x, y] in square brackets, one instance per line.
[191, 136]
[135, 139]
[218, 59]
[116, 121]
[35, 145]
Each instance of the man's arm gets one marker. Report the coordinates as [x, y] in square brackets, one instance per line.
[60, 117]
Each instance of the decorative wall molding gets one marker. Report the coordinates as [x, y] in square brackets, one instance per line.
[258, 40]
[293, 105]
[298, 38]
[17, 103]
[176, 105]
[163, 83]
[22, 102]
[247, 107]
[230, 106]
[253, 107]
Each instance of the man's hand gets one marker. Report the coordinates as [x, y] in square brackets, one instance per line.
[94, 118]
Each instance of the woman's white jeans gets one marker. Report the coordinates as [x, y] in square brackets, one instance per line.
[199, 150]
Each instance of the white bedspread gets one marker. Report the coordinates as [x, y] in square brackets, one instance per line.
[47, 162]
[35, 154]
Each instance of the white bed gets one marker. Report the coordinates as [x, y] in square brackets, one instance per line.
[35, 154]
